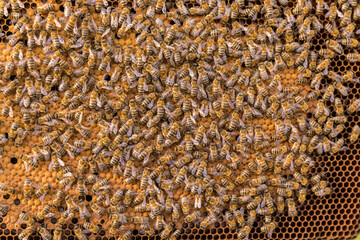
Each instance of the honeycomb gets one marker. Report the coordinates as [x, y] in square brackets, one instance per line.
[335, 216]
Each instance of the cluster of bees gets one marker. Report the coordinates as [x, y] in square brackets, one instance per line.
[178, 110]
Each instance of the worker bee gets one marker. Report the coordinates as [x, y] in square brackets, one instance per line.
[91, 227]
[244, 232]
[329, 93]
[4, 210]
[59, 197]
[25, 217]
[44, 212]
[101, 184]
[320, 6]
[208, 220]
[79, 233]
[334, 32]
[341, 88]
[301, 179]
[268, 229]
[57, 233]
[7, 109]
[40, 193]
[244, 175]
[285, 192]
[291, 207]
[338, 146]
[45, 234]
[27, 188]
[27, 232]
[97, 210]
[304, 106]
[355, 134]
[354, 106]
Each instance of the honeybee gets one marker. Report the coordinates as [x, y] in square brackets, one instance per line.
[322, 192]
[268, 229]
[338, 146]
[25, 217]
[320, 6]
[355, 133]
[59, 197]
[327, 53]
[304, 106]
[4, 9]
[244, 232]
[320, 109]
[79, 233]
[58, 233]
[354, 106]
[329, 93]
[97, 210]
[7, 109]
[45, 234]
[41, 192]
[208, 220]
[44, 212]
[333, 12]
[91, 227]
[24, 235]
[334, 32]
[4, 210]
[316, 81]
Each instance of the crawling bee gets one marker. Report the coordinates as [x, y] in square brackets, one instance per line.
[7, 189]
[338, 146]
[44, 212]
[27, 232]
[354, 106]
[40, 193]
[25, 217]
[244, 232]
[355, 134]
[45, 234]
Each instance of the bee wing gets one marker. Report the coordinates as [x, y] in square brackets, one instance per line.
[76, 29]
[269, 234]
[164, 8]
[305, 63]
[150, 12]
[193, 103]
[6, 13]
[256, 112]
[57, 23]
[86, 231]
[27, 167]
[11, 113]
[98, 102]
[205, 140]
[108, 67]
[21, 4]
[61, 39]
[129, 133]
[61, 162]
[70, 153]
[231, 104]
[49, 215]
[340, 14]
[84, 212]
[202, 113]
[42, 197]
[84, 88]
